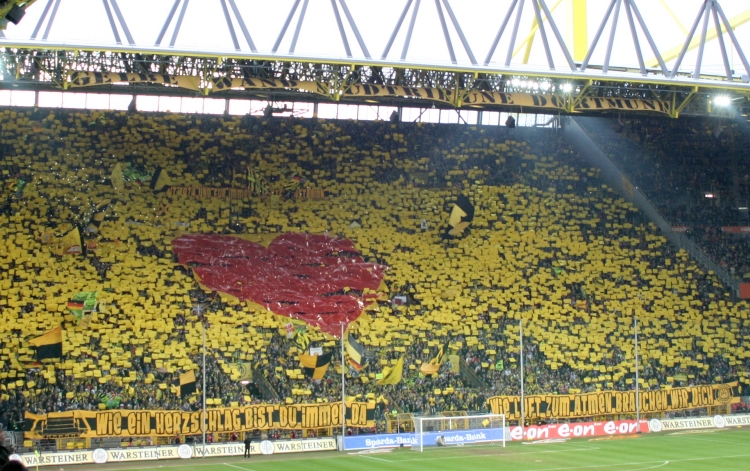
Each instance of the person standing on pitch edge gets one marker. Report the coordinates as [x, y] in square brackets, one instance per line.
[247, 445]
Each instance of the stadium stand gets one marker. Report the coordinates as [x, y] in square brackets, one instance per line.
[549, 243]
[677, 165]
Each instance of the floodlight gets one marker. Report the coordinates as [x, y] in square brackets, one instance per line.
[722, 100]
[566, 87]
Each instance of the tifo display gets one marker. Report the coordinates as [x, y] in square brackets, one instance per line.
[397, 257]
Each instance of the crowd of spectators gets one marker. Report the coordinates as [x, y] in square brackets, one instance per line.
[694, 171]
[550, 244]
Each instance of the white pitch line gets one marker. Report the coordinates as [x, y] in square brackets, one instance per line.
[660, 463]
[650, 467]
[504, 454]
[715, 441]
[238, 467]
[374, 458]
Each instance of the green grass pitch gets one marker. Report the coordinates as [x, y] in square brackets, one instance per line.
[721, 450]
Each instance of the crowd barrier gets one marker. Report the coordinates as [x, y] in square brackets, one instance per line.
[173, 452]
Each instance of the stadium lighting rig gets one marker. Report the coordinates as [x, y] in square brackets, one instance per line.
[530, 85]
[723, 100]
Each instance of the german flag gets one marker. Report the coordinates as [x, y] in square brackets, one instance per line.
[356, 352]
[315, 366]
[186, 384]
[49, 345]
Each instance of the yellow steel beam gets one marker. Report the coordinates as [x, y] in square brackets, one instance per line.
[674, 17]
[529, 41]
[673, 53]
[580, 30]
[675, 112]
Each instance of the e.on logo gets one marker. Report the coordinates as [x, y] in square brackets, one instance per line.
[614, 428]
[575, 430]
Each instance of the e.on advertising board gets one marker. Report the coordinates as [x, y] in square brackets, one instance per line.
[578, 430]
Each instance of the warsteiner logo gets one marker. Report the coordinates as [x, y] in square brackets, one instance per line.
[100, 456]
[266, 447]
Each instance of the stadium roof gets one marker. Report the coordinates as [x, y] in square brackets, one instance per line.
[651, 46]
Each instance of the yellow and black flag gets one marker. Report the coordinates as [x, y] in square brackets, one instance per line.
[302, 340]
[49, 345]
[356, 352]
[392, 375]
[315, 366]
[186, 385]
[441, 353]
[71, 242]
[160, 179]
[433, 366]
[461, 216]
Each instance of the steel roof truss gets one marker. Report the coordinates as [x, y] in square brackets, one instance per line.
[51, 20]
[167, 22]
[285, 27]
[353, 25]
[341, 28]
[123, 24]
[447, 35]
[41, 19]
[230, 26]
[722, 46]
[297, 30]
[633, 15]
[543, 34]
[732, 36]
[514, 35]
[557, 34]
[634, 34]
[179, 23]
[112, 22]
[460, 32]
[649, 38]
[243, 27]
[500, 32]
[396, 30]
[598, 35]
[702, 45]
